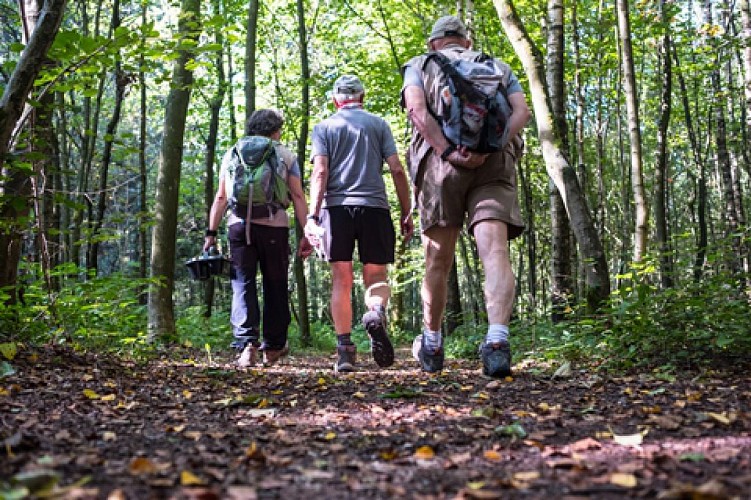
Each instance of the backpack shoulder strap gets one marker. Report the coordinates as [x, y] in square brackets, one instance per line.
[463, 86]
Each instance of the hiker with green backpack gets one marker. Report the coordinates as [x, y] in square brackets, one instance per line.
[259, 178]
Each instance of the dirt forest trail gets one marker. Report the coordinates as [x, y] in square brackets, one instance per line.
[88, 426]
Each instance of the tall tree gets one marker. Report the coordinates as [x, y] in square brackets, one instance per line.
[559, 169]
[160, 305]
[215, 107]
[745, 7]
[303, 320]
[561, 262]
[251, 38]
[661, 171]
[641, 231]
[40, 26]
[121, 82]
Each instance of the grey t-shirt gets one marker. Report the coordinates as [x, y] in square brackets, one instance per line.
[356, 143]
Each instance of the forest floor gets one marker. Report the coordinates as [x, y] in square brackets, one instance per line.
[86, 426]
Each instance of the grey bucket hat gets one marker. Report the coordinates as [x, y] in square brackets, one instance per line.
[448, 26]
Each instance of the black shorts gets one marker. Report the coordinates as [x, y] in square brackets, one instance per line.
[372, 228]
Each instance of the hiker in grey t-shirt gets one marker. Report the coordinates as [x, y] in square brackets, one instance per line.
[348, 205]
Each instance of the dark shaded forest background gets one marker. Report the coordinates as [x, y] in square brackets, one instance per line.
[634, 187]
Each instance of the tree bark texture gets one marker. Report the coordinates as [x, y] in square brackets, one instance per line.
[41, 27]
[564, 176]
[561, 262]
[662, 233]
[641, 215]
[299, 269]
[160, 305]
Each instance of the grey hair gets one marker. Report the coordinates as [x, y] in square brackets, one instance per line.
[349, 97]
[264, 122]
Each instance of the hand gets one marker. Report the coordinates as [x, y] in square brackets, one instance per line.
[407, 227]
[208, 242]
[463, 157]
[304, 248]
[313, 232]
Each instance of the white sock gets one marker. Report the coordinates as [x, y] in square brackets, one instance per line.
[433, 339]
[496, 333]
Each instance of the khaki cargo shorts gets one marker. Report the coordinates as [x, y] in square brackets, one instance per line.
[446, 193]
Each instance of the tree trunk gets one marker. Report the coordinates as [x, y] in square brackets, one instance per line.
[121, 82]
[701, 194]
[251, 37]
[161, 308]
[142, 174]
[745, 7]
[561, 272]
[299, 270]
[662, 234]
[40, 29]
[641, 231]
[596, 269]
[215, 107]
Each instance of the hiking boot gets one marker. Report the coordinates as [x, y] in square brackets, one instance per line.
[345, 358]
[271, 356]
[430, 361]
[248, 356]
[380, 345]
[496, 360]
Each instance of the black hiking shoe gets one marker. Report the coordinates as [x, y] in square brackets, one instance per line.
[430, 361]
[380, 345]
[496, 360]
[345, 358]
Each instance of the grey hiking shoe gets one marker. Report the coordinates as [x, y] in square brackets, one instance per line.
[496, 359]
[430, 361]
[380, 345]
[345, 358]
[248, 356]
[271, 356]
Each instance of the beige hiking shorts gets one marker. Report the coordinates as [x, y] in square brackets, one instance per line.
[446, 193]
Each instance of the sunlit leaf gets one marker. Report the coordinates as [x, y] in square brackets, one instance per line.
[492, 455]
[623, 480]
[189, 479]
[9, 350]
[90, 394]
[424, 453]
[527, 476]
[514, 430]
[629, 439]
[142, 465]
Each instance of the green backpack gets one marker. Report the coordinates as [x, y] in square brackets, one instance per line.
[258, 174]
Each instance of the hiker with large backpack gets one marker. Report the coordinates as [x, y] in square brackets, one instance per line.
[259, 178]
[467, 110]
[349, 207]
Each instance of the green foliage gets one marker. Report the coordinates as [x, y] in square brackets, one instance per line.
[99, 313]
[692, 325]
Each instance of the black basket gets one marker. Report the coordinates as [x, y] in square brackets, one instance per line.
[209, 264]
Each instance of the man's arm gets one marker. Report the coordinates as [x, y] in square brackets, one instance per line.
[318, 182]
[520, 113]
[301, 212]
[299, 203]
[401, 183]
[430, 130]
[218, 207]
